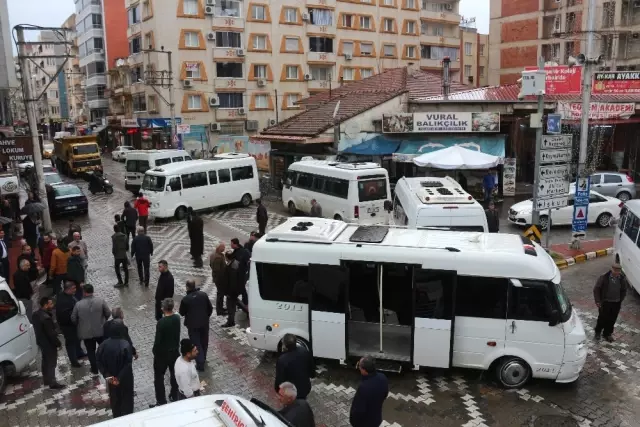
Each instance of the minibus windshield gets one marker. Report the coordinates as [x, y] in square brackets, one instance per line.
[153, 183]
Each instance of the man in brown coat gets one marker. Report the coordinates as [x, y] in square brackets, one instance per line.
[609, 292]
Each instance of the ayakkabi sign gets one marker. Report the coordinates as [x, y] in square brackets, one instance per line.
[441, 122]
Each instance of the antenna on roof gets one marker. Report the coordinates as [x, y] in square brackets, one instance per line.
[335, 110]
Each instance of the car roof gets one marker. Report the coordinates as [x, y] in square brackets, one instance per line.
[68, 186]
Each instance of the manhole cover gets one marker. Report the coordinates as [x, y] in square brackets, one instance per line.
[555, 421]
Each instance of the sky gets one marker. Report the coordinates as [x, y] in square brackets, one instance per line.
[52, 13]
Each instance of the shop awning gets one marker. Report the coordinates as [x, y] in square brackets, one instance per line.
[377, 145]
[493, 145]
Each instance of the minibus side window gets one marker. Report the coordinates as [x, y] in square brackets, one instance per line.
[282, 282]
[193, 180]
[484, 297]
[304, 181]
[242, 172]
[177, 159]
[213, 178]
[224, 175]
[160, 162]
[529, 303]
[632, 226]
[8, 306]
[175, 184]
[623, 216]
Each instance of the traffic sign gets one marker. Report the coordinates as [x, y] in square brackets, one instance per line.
[533, 233]
[555, 156]
[552, 187]
[582, 187]
[176, 139]
[554, 171]
[554, 123]
[556, 141]
[551, 203]
[580, 208]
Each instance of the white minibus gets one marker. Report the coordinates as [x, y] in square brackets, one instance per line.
[18, 348]
[140, 161]
[424, 298]
[626, 243]
[201, 184]
[351, 192]
[436, 203]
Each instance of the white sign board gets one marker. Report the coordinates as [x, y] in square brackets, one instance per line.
[182, 129]
[553, 187]
[533, 82]
[554, 171]
[555, 156]
[551, 203]
[550, 142]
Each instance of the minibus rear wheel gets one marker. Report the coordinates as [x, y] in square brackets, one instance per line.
[512, 372]
[181, 213]
[300, 343]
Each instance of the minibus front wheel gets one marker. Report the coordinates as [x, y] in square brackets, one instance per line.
[181, 213]
[300, 343]
[4, 371]
[512, 372]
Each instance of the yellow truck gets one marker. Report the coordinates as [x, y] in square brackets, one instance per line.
[74, 155]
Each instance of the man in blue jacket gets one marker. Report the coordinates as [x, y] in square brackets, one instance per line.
[366, 408]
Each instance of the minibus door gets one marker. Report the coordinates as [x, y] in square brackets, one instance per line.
[434, 305]
[328, 311]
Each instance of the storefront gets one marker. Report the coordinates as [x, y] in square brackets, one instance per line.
[155, 133]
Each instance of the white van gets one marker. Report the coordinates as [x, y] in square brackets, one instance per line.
[140, 161]
[351, 192]
[424, 298]
[431, 202]
[214, 410]
[201, 184]
[626, 243]
[18, 348]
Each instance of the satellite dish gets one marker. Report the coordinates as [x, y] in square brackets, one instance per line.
[352, 130]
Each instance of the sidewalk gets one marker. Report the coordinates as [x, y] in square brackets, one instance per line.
[589, 249]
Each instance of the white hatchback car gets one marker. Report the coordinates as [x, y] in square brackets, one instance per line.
[120, 153]
[602, 210]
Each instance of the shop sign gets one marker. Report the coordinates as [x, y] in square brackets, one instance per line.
[597, 110]
[616, 83]
[441, 122]
[183, 129]
[16, 149]
[129, 123]
[561, 80]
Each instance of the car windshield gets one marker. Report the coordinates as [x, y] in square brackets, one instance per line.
[52, 178]
[372, 189]
[68, 191]
[563, 301]
[153, 183]
[85, 149]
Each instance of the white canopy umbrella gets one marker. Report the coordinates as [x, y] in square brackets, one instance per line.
[457, 157]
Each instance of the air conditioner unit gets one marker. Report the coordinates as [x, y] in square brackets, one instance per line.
[187, 83]
[470, 79]
[305, 16]
[272, 122]
[308, 77]
[348, 56]
[242, 111]
[211, 2]
[240, 52]
[209, 10]
[252, 125]
[214, 102]
[262, 83]
[214, 127]
[448, 6]
[211, 36]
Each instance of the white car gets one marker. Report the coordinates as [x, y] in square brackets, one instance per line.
[46, 167]
[120, 153]
[602, 210]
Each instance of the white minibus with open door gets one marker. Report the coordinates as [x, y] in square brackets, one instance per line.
[422, 298]
[626, 243]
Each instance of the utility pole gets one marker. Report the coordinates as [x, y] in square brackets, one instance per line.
[152, 79]
[535, 214]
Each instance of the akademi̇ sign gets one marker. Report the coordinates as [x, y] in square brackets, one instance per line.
[597, 110]
[441, 122]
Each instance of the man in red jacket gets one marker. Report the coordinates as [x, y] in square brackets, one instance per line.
[142, 206]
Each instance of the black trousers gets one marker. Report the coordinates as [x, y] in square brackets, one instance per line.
[129, 231]
[200, 338]
[71, 343]
[56, 283]
[49, 363]
[143, 269]
[6, 269]
[219, 302]
[160, 366]
[607, 316]
[159, 310]
[124, 264]
[121, 397]
[91, 344]
[142, 220]
[262, 228]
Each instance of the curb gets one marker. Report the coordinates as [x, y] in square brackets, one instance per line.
[567, 262]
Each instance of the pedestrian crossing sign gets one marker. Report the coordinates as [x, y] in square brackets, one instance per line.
[580, 213]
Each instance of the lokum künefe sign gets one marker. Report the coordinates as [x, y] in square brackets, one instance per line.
[16, 149]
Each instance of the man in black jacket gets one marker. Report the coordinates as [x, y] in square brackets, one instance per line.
[27, 253]
[22, 288]
[196, 233]
[119, 247]
[295, 365]
[47, 340]
[117, 320]
[196, 308]
[243, 257]
[75, 270]
[130, 218]
[366, 408]
[165, 288]
[166, 349]
[5, 271]
[609, 292]
[297, 411]
[493, 218]
[261, 217]
[65, 302]
[142, 249]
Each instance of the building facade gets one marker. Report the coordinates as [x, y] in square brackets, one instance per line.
[48, 105]
[75, 81]
[8, 81]
[241, 66]
[474, 57]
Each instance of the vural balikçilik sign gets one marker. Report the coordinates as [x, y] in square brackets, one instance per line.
[17, 149]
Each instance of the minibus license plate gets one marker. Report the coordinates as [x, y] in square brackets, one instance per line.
[373, 210]
[70, 208]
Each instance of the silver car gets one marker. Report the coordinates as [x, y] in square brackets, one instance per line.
[614, 184]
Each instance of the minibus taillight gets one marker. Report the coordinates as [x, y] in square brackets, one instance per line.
[621, 205]
[356, 212]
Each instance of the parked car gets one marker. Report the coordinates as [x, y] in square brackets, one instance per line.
[52, 178]
[602, 209]
[46, 167]
[120, 153]
[614, 184]
[67, 198]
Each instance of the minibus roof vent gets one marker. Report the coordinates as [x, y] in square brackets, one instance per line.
[357, 165]
[431, 184]
[443, 195]
[369, 234]
[302, 226]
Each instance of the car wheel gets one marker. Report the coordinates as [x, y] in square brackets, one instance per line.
[544, 222]
[338, 218]
[513, 372]
[3, 379]
[246, 200]
[604, 220]
[292, 208]
[181, 213]
[624, 196]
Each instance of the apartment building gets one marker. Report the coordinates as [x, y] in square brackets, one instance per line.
[474, 57]
[523, 30]
[48, 106]
[7, 69]
[241, 66]
[75, 80]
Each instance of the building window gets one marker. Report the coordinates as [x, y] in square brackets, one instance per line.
[292, 98]
[260, 71]
[258, 12]
[348, 21]
[260, 42]
[411, 27]
[291, 15]
[467, 48]
[437, 52]
[53, 94]
[437, 30]
[320, 73]
[136, 74]
[347, 48]
[321, 44]
[146, 10]
[139, 102]
[366, 73]
[389, 50]
[231, 100]
[191, 39]
[321, 17]
[291, 44]
[152, 103]
[481, 49]
[389, 2]
[365, 22]
[424, 27]
[134, 15]
[94, 68]
[194, 102]
[228, 39]
[292, 72]
[229, 70]
[366, 49]
[348, 74]
[467, 70]
[193, 70]
[190, 7]
[410, 52]
[148, 41]
[481, 71]
[388, 25]
[261, 102]
[410, 4]
[135, 45]
[228, 8]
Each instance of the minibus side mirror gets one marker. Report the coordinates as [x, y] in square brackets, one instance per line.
[21, 309]
[167, 189]
[555, 318]
[388, 206]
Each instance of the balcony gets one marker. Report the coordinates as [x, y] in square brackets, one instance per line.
[227, 53]
[133, 29]
[84, 12]
[325, 3]
[98, 103]
[95, 56]
[440, 40]
[328, 57]
[96, 79]
[230, 114]
[445, 17]
[228, 22]
[321, 29]
[437, 64]
[229, 83]
[321, 84]
[90, 34]
[136, 58]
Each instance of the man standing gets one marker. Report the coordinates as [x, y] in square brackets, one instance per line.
[117, 319]
[119, 251]
[316, 209]
[166, 350]
[609, 292]
[196, 232]
[47, 340]
[186, 371]
[261, 217]
[130, 218]
[488, 184]
[47, 252]
[165, 288]
[22, 288]
[73, 228]
[76, 271]
[84, 253]
[89, 316]
[493, 218]
[142, 206]
[243, 257]
[115, 362]
[7, 212]
[142, 249]
[196, 308]
[65, 302]
[28, 255]
[366, 408]
[5, 271]
[297, 411]
[253, 238]
[59, 260]
[295, 365]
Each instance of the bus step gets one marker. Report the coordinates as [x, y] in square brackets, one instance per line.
[388, 366]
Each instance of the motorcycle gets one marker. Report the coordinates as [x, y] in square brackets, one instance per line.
[99, 184]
